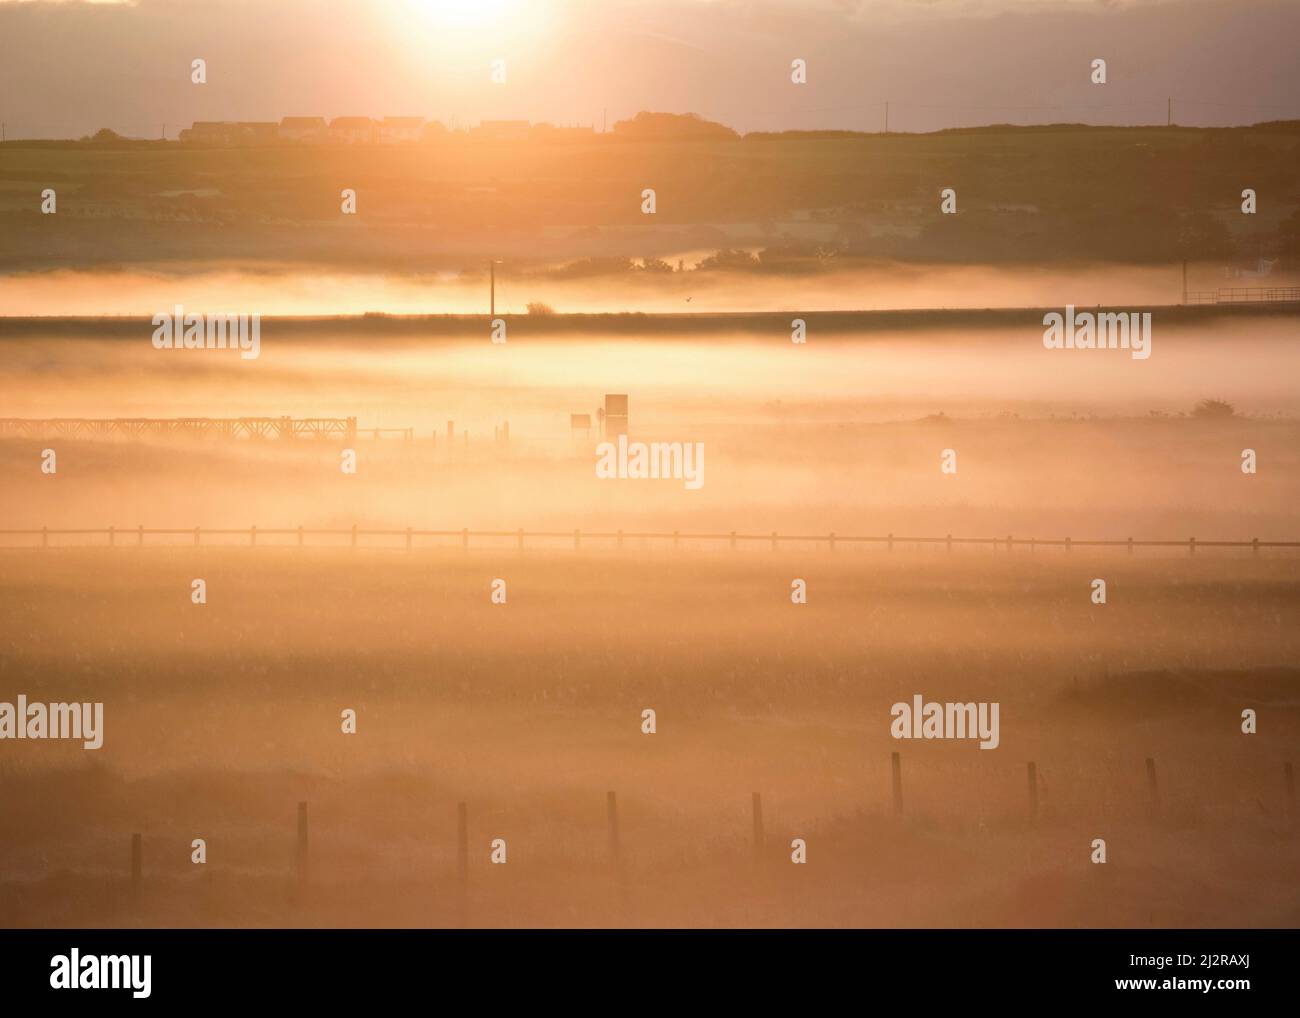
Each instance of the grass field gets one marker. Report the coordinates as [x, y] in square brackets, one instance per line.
[221, 717]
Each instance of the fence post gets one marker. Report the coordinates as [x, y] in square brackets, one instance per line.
[890, 540]
[112, 536]
[408, 538]
[733, 540]
[1153, 789]
[140, 536]
[1254, 547]
[758, 825]
[1008, 544]
[462, 844]
[676, 540]
[301, 856]
[45, 537]
[896, 763]
[137, 862]
[1130, 546]
[1191, 546]
[1033, 790]
[830, 542]
[950, 544]
[1067, 544]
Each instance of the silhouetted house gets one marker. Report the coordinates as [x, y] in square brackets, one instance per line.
[310, 129]
[549, 133]
[500, 130]
[353, 131]
[395, 130]
[258, 132]
[209, 132]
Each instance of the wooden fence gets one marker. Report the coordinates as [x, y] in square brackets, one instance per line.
[406, 538]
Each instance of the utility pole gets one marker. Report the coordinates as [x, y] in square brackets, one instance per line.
[886, 116]
[1169, 112]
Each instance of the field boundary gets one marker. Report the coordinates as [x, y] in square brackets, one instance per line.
[135, 536]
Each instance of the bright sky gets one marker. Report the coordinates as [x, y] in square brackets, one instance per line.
[68, 68]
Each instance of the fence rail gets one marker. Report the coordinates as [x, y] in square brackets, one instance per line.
[1245, 295]
[117, 536]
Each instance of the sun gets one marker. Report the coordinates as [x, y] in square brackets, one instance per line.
[474, 26]
[467, 15]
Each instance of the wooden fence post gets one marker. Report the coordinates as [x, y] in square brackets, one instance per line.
[1153, 789]
[677, 538]
[1254, 547]
[139, 530]
[1067, 544]
[774, 540]
[409, 538]
[1009, 543]
[112, 536]
[830, 542]
[896, 763]
[252, 536]
[758, 825]
[733, 540]
[1130, 546]
[890, 541]
[950, 544]
[1191, 546]
[1033, 790]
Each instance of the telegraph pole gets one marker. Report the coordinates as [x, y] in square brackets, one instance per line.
[1169, 113]
[886, 116]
